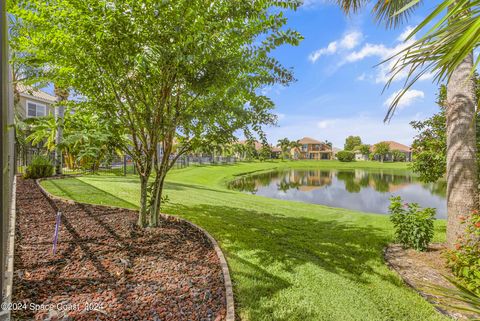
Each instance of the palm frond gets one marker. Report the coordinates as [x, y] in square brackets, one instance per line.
[394, 12]
[452, 38]
[470, 300]
[351, 6]
[390, 12]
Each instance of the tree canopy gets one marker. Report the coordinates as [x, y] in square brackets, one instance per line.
[351, 142]
[177, 73]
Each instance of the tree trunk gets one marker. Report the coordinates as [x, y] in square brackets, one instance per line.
[58, 140]
[142, 215]
[62, 96]
[157, 199]
[461, 149]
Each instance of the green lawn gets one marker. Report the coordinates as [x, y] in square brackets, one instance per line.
[289, 260]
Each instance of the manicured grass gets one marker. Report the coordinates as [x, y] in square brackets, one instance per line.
[289, 260]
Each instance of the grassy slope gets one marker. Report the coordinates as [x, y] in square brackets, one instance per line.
[289, 260]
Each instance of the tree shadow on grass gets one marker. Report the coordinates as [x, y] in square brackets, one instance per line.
[288, 242]
[93, 193]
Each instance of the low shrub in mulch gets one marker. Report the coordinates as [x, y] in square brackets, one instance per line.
[105, 268]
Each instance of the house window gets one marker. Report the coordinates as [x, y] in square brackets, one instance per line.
[304, 147]
[36, 109]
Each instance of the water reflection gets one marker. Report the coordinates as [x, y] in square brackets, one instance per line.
[363, 190]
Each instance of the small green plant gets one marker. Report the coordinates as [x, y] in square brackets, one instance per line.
[413, 225]
[41, 166]
[465, 259]
[345, 156]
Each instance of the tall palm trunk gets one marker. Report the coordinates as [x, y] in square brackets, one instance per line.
[461, 149]
[62, 96]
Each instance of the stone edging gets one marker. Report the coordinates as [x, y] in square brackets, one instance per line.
[5, 314]
[230, 313]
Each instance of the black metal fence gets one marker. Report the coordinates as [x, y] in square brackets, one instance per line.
[116, 165]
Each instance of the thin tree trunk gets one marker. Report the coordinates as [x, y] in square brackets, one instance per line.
[157, 203]
[62, 96]
[461, 149]
[142, 215]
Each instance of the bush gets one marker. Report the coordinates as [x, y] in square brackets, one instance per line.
[345, 156]
[465, 260]
[413, 225]
[398, 156]
[41, 166]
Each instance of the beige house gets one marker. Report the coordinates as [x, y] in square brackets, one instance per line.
[312, 149]
[34, 102]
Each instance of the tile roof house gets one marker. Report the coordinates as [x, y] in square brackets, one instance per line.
[396, 146]
[312, 149]
[34, 102]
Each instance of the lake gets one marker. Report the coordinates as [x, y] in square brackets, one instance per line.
[356, 189]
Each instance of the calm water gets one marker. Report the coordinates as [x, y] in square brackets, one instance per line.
[363, 190]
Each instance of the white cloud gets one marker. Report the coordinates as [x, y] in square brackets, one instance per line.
[383, 73]
[404, 35]
[427, 76]
[408, 98]
[362, 77]
[349, 41]
[368, 50]
[313, 3]
[325, 124]
[383, 53]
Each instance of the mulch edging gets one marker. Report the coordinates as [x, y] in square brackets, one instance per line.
[169, 273]
[423, 270]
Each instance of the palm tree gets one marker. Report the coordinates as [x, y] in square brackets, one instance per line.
[285, 146]
[62, 96]
[447, 50]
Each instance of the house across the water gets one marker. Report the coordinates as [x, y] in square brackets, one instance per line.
[312, 149]
[394, 146]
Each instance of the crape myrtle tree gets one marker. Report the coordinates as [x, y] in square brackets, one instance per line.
[448, 36]
[174, 73]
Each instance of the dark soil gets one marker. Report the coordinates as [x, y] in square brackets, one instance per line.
[106, 268]
[426, 271]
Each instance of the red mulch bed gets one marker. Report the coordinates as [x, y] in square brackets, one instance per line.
[105, 268]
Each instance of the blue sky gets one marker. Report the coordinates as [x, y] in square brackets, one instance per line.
[338, 91]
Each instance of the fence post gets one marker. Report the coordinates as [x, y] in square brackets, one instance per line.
[124, 165]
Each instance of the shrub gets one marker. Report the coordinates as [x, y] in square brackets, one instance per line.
[41, 166]
[465, 260]
[345, 156]
[413, 225]
[398, 156]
